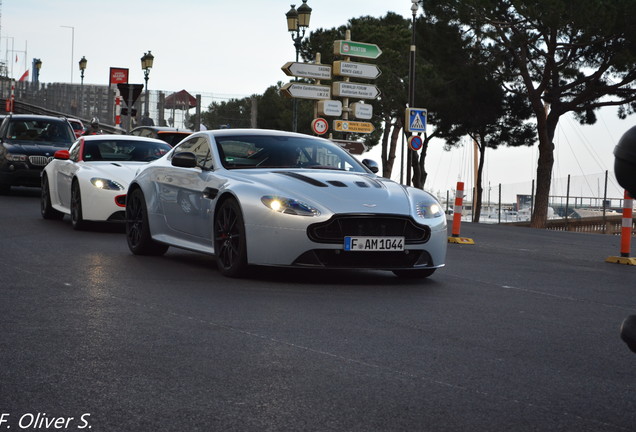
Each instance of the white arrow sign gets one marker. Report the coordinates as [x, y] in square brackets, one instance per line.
[307, 70]
[356, 70]
[306, 91]
[352, 90]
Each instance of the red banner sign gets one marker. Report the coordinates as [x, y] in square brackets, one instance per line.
[118, 75]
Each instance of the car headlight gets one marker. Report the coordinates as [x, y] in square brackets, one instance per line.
[289, 206]
[106, 184]
[13, 157]
[428, 210]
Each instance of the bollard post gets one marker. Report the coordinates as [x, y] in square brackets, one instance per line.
[117, 111]
[626, 233]
[457, 217]
[626, 228]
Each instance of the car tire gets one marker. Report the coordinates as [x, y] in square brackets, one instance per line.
[47, 210]
[230, 246]
[138, 236]
[77, 218]
[414, 274]
[5, 189]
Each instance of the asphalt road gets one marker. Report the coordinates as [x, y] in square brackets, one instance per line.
[520, 332]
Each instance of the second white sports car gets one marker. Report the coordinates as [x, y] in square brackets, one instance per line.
[89, 181]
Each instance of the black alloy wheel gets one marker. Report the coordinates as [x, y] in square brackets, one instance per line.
[47, 210]
[138, 235]
[77, 220]
[229, 240]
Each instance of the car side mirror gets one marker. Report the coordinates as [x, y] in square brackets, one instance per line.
[625, 161]
[371, 164]
[184, 160]
[61, 155]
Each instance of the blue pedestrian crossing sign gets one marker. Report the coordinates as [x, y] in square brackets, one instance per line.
[415, 120]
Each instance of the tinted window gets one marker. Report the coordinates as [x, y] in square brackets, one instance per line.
[123, 150]
[57, 133]
[201, 148]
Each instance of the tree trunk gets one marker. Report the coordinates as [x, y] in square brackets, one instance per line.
[545, 127]
[479, 190]
[397, 129]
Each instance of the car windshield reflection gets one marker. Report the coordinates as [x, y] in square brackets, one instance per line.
[123, 151]
[268, 151]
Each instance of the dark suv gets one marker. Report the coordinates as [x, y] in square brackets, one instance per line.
[27, 144]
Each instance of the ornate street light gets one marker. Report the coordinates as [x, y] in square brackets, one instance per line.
[38, 65]
[82, 66]
[297, 23]
[146, 65]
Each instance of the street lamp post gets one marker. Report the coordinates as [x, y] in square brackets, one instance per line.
[409, 156]
[82, 66]
[37, 65]
[146, 65]
[297, 23]
[72, 48]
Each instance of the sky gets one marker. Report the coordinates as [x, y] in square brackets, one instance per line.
[235, 49]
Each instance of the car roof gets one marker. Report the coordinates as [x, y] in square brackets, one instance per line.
[35, 117]
[160, 129]
[117, 137]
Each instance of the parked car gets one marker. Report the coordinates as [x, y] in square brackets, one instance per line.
[274, 198]
[168, 134]
[27, 144]
[89, 181]
[78, 126]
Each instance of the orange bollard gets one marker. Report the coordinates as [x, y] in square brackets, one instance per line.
[457, 217]
[457, 210]
[626, 234]
[626, 229]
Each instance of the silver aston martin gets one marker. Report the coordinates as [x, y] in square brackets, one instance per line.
[271, 198]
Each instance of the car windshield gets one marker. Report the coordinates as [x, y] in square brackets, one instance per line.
[51, 132]
[271, 151]
[105, 150]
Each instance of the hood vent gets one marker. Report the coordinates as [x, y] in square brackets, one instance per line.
[336, 183]
[301, 177]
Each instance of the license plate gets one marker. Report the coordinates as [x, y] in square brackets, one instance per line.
[373, 243]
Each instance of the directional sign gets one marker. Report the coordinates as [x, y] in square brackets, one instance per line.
[356, 70]
[362, 111]
[353, 90]
[415, 120]
[306, 91]
[352, 126]
[353, 147]
[307, 70]
[319, 126]
[356, 49]
[331, 108]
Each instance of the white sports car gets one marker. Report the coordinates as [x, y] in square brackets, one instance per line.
[271, 198]
[89, 181]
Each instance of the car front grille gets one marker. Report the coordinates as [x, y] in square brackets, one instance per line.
[335, 229]
[40, 160]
